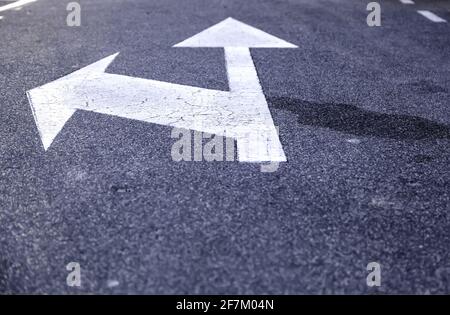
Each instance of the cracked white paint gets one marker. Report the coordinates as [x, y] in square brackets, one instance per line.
[241, 113]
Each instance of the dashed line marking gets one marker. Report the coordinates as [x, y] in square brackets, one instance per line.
[407, 1]
[431, 16]
[15, 5]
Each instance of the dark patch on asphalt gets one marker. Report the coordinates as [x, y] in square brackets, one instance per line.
[422, 158]
[5, 265]
[426, 87]
[354, 120]
[118, 189]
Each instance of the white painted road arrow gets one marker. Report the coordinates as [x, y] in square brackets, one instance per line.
[241, 113]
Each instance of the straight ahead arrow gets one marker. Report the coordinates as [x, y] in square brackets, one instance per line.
[241, 113]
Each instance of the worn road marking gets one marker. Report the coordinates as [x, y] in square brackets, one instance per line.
[431, 16]
[16, 5]
[407, 1]
[241, 113]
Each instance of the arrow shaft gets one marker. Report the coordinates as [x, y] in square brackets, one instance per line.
[242, 75]
[257, 140]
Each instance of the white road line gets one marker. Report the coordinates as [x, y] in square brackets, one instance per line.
[15, 5]
[431, 16]
[407, 1]
[1, 17]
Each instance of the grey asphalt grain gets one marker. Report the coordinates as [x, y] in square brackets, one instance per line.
[364, 119]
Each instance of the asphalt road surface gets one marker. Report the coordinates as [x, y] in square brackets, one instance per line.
[363, 116]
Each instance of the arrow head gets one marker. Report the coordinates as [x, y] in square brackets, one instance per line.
[232, 33]
[54, 103]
